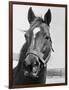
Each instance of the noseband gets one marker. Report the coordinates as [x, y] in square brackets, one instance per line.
[40, 55]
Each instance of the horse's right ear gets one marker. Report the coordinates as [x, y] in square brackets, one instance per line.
[47, 17]
[31, 15]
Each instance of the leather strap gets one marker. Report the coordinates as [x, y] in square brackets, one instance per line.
[40, 55]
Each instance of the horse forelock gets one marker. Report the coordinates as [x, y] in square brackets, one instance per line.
[38, 22]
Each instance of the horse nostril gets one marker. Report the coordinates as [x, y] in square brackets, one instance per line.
[34, 69]
[26, 73]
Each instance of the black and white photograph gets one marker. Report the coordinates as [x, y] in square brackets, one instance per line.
[37, 44]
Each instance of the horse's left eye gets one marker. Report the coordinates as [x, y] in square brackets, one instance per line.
[47, 37]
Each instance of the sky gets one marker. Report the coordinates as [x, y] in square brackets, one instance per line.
[57, 31]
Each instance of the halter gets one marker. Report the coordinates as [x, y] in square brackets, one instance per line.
[40, 55]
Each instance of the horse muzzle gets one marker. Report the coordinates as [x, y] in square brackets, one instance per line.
[31, 66]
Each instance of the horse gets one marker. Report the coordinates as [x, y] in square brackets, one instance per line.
[36, 51]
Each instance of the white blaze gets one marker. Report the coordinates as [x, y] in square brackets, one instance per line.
[35, 31]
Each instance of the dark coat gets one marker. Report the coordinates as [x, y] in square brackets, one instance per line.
[18, 75]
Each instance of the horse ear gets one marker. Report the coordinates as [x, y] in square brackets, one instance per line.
[47, 17]
[31, 15]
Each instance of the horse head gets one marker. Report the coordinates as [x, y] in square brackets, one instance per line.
[40, 44]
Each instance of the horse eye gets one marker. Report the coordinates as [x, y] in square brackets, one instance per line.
[47, 37]
[26, 35]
